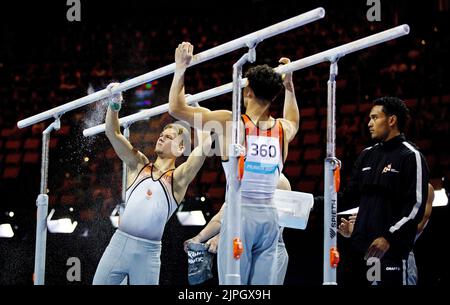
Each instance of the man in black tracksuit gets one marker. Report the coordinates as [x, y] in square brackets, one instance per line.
[390, 184]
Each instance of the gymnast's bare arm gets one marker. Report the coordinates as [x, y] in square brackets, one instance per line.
[133, 158]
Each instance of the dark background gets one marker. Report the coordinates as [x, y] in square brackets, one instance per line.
[46, 61]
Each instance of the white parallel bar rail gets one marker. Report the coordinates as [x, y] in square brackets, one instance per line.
[345, 49]
[245, 41]
[303, 63]
[148, 113]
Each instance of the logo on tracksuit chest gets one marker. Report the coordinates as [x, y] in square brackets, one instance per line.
[389, 168]
[148, 194]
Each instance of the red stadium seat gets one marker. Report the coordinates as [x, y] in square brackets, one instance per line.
[311, 139]
[13, 158]
[314, 170]
[348, 109]
[31, 157]
[32, 144]
[411, 103]
[13, 144]
[53, 143]
[293, 155]
[11, 173]
[208, 177]
[7, 132]
[365, 108]
[308, 125]
[68, 199]
[312, 154]
[446, 99]
[64, 130]
[110, 154]
[307, 112]
[216, 192]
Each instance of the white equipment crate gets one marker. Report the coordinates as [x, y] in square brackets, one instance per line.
[293, 208]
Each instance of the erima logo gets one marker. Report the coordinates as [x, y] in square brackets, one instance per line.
[389, 168]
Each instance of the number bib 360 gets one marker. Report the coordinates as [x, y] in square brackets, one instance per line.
[263, 154]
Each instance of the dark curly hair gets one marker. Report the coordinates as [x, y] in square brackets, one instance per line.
[394, 106]
[265, 82]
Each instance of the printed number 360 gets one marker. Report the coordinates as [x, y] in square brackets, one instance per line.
[263, 150]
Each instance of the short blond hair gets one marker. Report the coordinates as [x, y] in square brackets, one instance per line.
[181, 131]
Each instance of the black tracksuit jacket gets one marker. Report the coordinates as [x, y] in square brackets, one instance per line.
[389, 182]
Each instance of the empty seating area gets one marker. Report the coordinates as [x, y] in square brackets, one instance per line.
[21, 149]
[38, 84]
